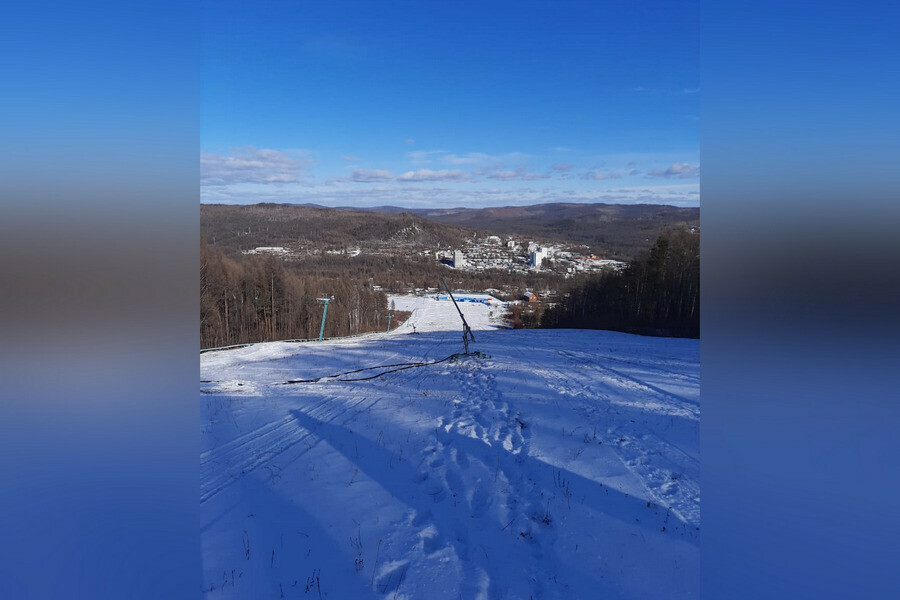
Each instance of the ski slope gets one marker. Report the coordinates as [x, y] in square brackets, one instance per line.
[441, 315]
[554, 464]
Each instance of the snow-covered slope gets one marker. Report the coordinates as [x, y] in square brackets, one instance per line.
[441, 315]
[553, 464]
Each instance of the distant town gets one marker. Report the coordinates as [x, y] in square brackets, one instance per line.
[492, 252]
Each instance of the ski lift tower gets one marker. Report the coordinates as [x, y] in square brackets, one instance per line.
[324, 314]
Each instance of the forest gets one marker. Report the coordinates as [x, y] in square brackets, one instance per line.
[658, 294]
[255, 299]
[616, 231]
[249, 298]
[402, 274]
[238, 228]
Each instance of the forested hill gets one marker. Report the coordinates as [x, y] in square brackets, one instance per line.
[614, 230]
[618, 230]
[236, 228]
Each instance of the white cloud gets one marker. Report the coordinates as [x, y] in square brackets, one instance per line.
[503, 175]
[411, 194]
[517, 175]
[529, 176]
[677, 171]
[429, 175]
[480, 158]
[251, 165]
[597, 176]
[370, 175]
[472, 158]
[614, 174]
[347, 158]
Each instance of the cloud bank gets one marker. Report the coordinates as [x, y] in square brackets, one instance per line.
[251, 165]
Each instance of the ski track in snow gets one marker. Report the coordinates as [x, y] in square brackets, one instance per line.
[658, 463]
[554, 464]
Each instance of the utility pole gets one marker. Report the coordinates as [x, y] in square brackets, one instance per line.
[390, 316]
[324, 314]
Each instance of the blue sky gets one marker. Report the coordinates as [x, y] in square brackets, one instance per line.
[450, 103]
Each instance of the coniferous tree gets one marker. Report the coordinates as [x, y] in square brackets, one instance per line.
[659, 294]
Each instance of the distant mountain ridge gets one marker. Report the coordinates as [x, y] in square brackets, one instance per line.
[617, 230]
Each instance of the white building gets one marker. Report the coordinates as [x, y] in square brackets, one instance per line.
[459, 259]
[267, 250]
[537, 255]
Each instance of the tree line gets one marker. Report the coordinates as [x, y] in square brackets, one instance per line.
[252, 298]
[402, 274]
[255, 299]
[658, 294]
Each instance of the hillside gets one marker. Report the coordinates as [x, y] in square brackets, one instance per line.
[616, 230]
[236, 228]
[552, 465]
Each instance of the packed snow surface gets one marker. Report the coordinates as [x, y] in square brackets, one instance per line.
[551, 464]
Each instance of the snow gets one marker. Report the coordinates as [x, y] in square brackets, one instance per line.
[441, 315]
[553, 464]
